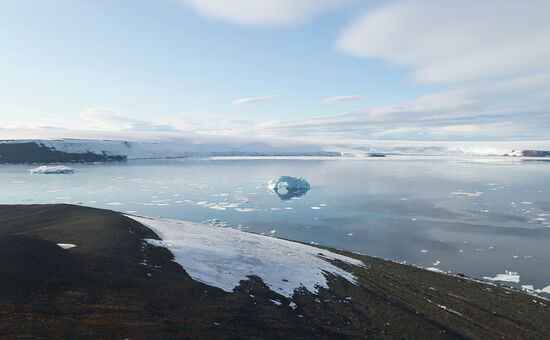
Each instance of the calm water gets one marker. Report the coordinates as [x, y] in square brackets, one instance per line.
[474, 217]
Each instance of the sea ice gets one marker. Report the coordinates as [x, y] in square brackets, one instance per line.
[223, 257]
[46, 170]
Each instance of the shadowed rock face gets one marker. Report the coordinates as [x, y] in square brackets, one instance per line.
[535, 153]
[114, 285]
[32, 152]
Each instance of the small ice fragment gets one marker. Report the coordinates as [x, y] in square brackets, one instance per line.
[350, 234]
[423, 251]
[47, 170]
[315, 208]
[527, 287]
[469, 194]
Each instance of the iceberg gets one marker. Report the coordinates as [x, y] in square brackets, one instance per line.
[287, 187]
[52, 170]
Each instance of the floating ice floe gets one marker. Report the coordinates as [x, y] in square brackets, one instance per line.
[223, 257]
[46, 170]
[469, 194]
[287, 187]
[508, 277]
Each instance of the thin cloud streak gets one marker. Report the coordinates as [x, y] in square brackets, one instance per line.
[253, 100]
[340, 99]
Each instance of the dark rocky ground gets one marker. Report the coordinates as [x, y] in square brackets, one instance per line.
[32, 152]
[101, 289]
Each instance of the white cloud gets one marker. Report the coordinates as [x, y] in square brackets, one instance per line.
[510, 109]
[455, 41]
[252, 100]
[265, 12]
[340, 99]
[110, 119]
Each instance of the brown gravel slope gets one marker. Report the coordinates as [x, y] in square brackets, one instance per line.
[112, 285]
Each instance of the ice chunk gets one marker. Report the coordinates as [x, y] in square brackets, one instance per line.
[287, 187]
[59, 169]
[508, 277]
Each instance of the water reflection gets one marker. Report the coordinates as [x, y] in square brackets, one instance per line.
[286, 194]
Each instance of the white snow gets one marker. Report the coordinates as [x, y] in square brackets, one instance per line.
[222, 257]
[434, 269]
[58, 169]
[507, 277]
[66, 245]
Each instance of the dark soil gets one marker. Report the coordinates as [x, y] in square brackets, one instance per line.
[113, 285]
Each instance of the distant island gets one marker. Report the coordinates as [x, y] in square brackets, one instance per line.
[88, 150]
[34, 152]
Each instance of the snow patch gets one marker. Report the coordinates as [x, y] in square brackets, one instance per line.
[223, 257]
[66, 245]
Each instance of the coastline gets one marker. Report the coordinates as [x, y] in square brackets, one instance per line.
[101, 287]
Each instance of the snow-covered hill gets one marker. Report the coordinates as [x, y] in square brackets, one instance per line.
[74, 150]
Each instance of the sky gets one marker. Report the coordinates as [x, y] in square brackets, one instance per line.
[319, 71]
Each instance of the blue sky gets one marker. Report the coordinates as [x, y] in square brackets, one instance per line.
[180, 65]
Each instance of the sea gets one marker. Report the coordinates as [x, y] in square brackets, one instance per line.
[481, 217]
